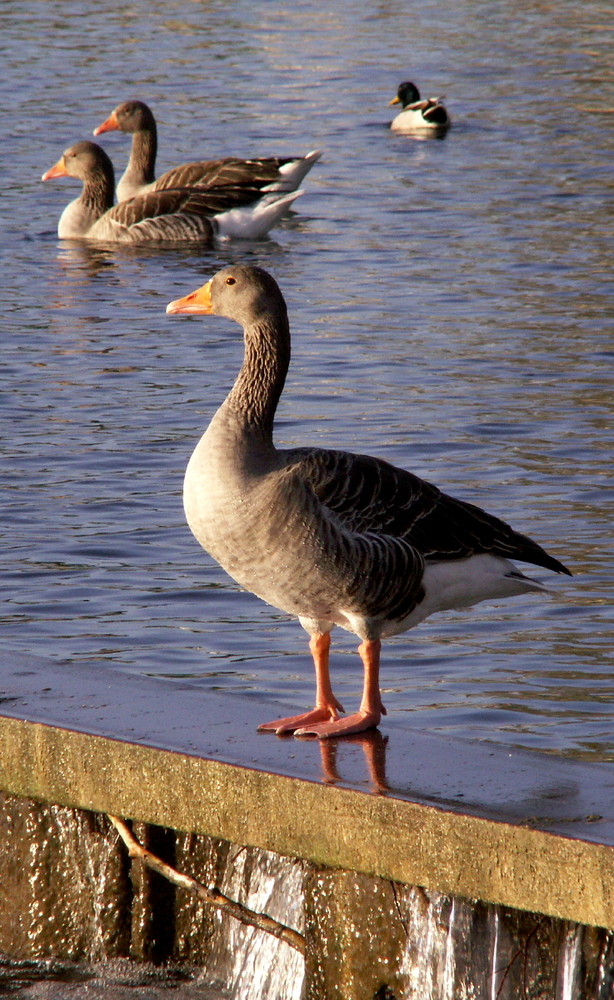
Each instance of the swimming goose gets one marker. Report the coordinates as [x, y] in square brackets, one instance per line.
[172, 215]
[418, 114]
[331, 537]
[135, 118]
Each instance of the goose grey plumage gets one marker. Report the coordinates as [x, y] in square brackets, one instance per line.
[172, 215]
[418, 114]
[267, 174]
[329, 536]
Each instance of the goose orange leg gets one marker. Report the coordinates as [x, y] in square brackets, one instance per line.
[371, 707]
[326, 708]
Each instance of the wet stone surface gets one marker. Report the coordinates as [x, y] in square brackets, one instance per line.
[568, 797]
[115, 979]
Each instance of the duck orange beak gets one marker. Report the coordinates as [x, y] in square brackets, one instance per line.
[196, 303]
[57, 170]
[395, 100]
[110, 125]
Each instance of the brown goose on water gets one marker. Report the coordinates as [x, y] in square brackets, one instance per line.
[418, 115]
[267, 174]
[331, 537]
[175, 214]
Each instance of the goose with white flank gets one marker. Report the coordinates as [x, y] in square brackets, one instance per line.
[270, 173]
[418, 114]
[331, 537]
[173, 215]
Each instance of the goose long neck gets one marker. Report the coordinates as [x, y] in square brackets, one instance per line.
[98, 191]
[260, 382]
[143, 153]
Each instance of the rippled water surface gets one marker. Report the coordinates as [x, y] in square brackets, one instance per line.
[450, 303]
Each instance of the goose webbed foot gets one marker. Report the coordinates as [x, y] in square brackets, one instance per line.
[321, 714]
[358, 722]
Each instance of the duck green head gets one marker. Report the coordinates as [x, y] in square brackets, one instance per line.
[407, 93]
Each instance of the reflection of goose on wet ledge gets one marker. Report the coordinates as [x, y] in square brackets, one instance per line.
[271, 173]
[331, 537]
[373, 746]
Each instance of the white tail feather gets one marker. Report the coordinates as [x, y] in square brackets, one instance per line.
[291, 174]
[254, 221]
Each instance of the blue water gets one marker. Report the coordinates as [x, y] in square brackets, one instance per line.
[451, 307]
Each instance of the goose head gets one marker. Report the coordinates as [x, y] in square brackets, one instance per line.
[86, 162]
[242, 292]
[130, 116]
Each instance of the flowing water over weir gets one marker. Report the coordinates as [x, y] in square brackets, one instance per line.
[365, 937]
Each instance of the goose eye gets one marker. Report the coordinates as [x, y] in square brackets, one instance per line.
[231, 281]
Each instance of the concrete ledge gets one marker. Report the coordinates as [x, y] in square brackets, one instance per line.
[166, 776]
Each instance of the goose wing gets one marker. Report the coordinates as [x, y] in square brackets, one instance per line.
[371, 496]
[228, 172]
[362, 569]
[189, 201]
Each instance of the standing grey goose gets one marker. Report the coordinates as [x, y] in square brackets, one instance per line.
[331, 537]
[172, 215]
[270, 173]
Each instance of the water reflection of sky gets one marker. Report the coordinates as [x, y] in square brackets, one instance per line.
[449, 303]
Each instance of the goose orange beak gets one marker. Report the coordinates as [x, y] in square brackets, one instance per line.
[196, 303]
[57, 170]
[110, 125]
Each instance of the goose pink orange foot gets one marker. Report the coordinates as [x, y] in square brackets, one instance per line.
[323, 721]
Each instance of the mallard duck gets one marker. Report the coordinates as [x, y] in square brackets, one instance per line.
[135, 118]
[329, 536]
[174, 214]
[418, 114]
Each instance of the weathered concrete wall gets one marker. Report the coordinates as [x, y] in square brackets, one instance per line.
[371, 938]
[453, 853]
[65, 889]
[68, 890]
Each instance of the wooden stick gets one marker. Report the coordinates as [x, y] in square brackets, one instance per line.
[208, 893]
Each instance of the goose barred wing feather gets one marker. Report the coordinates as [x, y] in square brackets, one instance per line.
[377, 575]
[383, 575]
[477, 531]
[369, 495]
[229, 172]
[190, 201]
